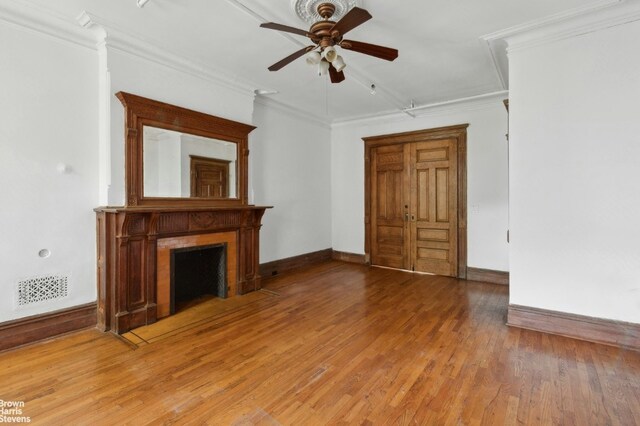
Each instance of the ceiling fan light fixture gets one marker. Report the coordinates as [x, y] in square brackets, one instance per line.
[325, 34]
[323, 68]
[339, 64]
[330, 53]
[313, 58]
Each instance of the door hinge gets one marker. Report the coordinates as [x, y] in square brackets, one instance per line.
[507, 235]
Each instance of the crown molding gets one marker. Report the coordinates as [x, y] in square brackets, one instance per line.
[552, 19]
[110, 36]
[498, 51]
[30, 17]
[487, 100]
[587, 19]
[537, 32]
[290, 110]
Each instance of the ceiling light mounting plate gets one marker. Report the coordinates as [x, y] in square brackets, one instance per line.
[307, 10]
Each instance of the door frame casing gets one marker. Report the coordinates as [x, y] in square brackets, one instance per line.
[459, 134]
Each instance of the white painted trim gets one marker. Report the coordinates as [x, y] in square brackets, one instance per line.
[104, 127]
[43, 21]
[116, 38]
[288, 109]
[542, 31]
[468, 100]
[553, 19]
[441, 108]
[591, 18]
[33, 18]
[364, 118]
[497, 52]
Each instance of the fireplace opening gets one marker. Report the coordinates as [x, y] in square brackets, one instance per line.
[198, 273]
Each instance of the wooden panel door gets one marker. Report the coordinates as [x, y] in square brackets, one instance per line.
[416, 200]
[434, 207]
[390, 206]
[209, 177]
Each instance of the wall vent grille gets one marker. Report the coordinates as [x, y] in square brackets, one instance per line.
[40, 289]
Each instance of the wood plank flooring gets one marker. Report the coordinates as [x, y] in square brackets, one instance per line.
[205, 310]
[341, 344]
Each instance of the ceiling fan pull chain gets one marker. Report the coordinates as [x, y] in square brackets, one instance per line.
[326, 97]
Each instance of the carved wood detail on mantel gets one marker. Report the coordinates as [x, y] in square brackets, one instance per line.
[127, 248]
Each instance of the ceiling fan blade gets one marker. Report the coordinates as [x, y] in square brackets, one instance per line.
[290, 58]
[352, 19]
[336, 76]
[285, 28]
[381, 52]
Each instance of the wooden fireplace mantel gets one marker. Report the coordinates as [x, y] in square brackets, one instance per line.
[127, 249]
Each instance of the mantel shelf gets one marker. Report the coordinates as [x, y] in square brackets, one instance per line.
[147, 209]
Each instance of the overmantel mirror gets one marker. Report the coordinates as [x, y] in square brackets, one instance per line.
[176, 157]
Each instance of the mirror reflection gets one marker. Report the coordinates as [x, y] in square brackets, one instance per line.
[180, 165]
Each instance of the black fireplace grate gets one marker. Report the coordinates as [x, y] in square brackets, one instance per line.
[198, 271]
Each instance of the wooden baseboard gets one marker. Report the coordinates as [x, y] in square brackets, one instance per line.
[39, 327]
[487, 276]
[279, 266]
[597, 330]
[344, 256]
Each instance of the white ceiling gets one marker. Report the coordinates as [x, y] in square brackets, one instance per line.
[442, 56]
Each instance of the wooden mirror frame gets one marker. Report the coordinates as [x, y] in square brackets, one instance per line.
[140, 112]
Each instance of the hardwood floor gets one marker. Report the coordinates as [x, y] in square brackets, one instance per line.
[341, 343]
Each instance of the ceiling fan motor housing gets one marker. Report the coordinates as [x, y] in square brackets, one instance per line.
[322, 35]
[326, 10]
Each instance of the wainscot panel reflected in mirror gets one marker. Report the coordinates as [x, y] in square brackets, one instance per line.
[178, 157]
[182, 165]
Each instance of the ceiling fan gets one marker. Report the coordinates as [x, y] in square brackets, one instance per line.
[325, 35]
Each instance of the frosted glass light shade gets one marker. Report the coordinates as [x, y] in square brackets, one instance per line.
[313, 58]
[330, 53]
[323, 68]
[339, 64]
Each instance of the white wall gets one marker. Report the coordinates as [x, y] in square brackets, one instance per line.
[162, 163]
[49, 115]
[487, 178]
[575, 175]
[290, 170]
